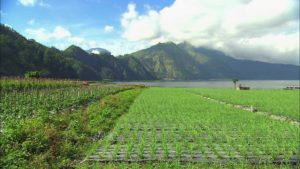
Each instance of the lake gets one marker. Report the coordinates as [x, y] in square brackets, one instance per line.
[253, 84]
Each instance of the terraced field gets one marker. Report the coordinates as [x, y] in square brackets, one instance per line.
[166, 124]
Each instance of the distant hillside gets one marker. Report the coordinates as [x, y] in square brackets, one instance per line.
[167, 61]
[86, 67]
[218, 65]
[107, 66]
[19, 55]
[184, 61]
[164, 61]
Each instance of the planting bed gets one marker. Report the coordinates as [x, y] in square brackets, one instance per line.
[283, 103]
[176, 125]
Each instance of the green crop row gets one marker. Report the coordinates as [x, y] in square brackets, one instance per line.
[59, 140]
[172, 124]
[23, 84]
[278, 102]
[179, 165]
[18, 105]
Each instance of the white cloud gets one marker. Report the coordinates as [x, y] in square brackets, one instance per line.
[60, 33]
[108, 28]
[43, 4]
[8, 25]
[31, 22]
[61, 38]
[33, 3]
[41, 34]
[28, 2]
[263, 30]
[115, 46]
[284, 48]
[140, 27]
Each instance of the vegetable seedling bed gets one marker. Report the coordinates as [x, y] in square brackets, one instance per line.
[175, 125]
[207, 155]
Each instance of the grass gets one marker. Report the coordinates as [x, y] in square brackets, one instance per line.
[279, 102]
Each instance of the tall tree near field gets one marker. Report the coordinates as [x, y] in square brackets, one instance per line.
[234, 80]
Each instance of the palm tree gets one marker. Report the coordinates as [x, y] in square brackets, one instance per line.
[234, 80]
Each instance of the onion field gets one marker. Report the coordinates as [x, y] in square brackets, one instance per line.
[47, 123]
[31, 102]
[168, 124]
[67, 124]
[278, 102]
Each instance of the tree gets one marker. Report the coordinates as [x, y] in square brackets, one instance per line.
[234, 80]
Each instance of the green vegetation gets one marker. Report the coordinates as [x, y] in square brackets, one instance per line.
[23, 84]
[33, 74]
[234, 80]
[178, 165]
[19, 55]
[47, 123]
[33, 134]
[107, 66]
[61, 124]
[168, 61]
[279, 102]
[18, 105]
[175, 125]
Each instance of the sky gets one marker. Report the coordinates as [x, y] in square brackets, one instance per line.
[262, 30]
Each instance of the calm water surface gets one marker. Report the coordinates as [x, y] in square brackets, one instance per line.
[254, 84]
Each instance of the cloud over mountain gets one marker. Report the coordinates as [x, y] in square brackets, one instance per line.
[264, 30]
[42, 34]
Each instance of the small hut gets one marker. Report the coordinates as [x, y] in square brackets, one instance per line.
[84, 83]
[240, 87]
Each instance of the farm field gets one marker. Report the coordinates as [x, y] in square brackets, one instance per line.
[21, 84]
[52, 123]
[63, 124]
[278, 102]
[31, 102]
[169, 125]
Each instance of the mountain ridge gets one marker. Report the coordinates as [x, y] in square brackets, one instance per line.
[163, 61]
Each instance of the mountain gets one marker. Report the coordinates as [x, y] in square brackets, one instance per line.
[19, 55]
[97, 51]
[167, 61]
[163, 61]
[137, 67]
[218, 65]
[85, 66]
[186, 62]
[107, 66]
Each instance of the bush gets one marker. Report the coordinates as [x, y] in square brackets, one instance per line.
[32, 74]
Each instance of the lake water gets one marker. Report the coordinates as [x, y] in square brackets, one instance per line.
[253, 84]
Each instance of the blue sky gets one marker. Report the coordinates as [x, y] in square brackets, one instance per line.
[263, 30]
[92, 20]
